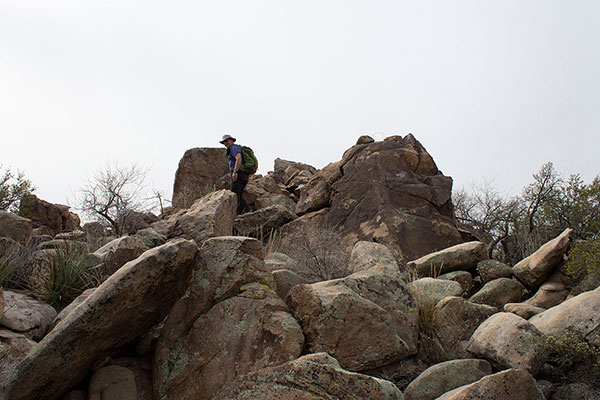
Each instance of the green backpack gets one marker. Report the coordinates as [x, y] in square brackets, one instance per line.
[250, 162]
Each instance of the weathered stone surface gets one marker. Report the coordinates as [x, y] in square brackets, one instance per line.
[509, 341]
[523, 310]
[137, 296]
[112, 382]
[393, 193]
[455, 320]
[74, 395]
[142, 371]
[552, 292]
[276, 260]
[315, 194]
[444, 377]
[535, 269]
[118, 252]
[284, 170]
[242, 334]
[151, 238]
[200, 170]
[309, 377]
[262, 222]
[285, 280]
[493, 269]
[132, 221]
[210, 216]
[462, 257]
[55, 217]
[498, 292]
[511, 384]
[67, 310]
[24, 314]
[224, 266]
[428, 291]
[368, 255]
[63, 244]
[464, 279]
[14, 227]
[13, 349]
[365, 320]
[580, 314]
[2, 302]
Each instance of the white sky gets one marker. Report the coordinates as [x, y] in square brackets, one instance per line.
[491, 89]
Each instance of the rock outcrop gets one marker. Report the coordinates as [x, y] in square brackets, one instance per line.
[136, 297]
[309, 377]
[201, 170]
[55, 217]
[26, 315]
[14, 227]
[262, 222]
[462, 257]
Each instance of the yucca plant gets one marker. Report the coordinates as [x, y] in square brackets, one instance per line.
[62, 276]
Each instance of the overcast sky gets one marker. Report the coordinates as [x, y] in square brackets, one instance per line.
[491, 88]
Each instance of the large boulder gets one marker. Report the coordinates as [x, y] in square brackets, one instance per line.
[489, 270]
[579, 314]
[75, 303]
[366, 320]
[509, 341]
[367, 255]
[124, 307]
[130, 222]
[230, 303]
[201, 170]
[55, 217]
[284, 171]
[242, 334]
[209, 216]
[454, 321]
[535, 269]
[310, 377]
[498, 292]
[511, 384]
[316, 194]
[462, 257]
[444, 377]
[263, 191]
[523, 310]
[262, 222]
[285, 280]
[464, 279]
[26, 315]
[552, 292]
[14, 227]
[116, 253]
[391, 192]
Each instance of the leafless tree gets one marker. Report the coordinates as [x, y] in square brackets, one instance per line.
[114, 191]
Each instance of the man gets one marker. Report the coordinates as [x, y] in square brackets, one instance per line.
[239, 178]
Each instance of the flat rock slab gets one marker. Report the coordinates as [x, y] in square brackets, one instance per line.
[314, 376]
[462, 257]
[124, 307]
[25, 314]
[535, 269]
[444, 377]
[509, 341]
[580, 314]
[366, 320]
[511, 384]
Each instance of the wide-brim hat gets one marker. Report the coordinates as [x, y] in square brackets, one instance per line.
[225, 137]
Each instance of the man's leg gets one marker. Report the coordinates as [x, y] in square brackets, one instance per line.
[238, 188]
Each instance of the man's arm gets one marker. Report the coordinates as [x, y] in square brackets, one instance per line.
[237, 166]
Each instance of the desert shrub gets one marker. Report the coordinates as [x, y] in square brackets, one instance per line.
[6, 269]
[15, 267]
[572, 359]
[13, 186]
[584, 257]
[61, 276]
[318, 252]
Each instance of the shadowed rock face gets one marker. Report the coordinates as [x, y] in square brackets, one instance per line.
[200, 169]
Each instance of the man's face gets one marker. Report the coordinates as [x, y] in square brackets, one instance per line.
[228, 143]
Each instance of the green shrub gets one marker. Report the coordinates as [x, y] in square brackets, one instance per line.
[6, 269]
[573, 359]
[584, 257]
[61, 277]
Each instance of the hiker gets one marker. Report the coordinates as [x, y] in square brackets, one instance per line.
[239, 177]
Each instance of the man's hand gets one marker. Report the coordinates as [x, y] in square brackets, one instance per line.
[234, 176]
